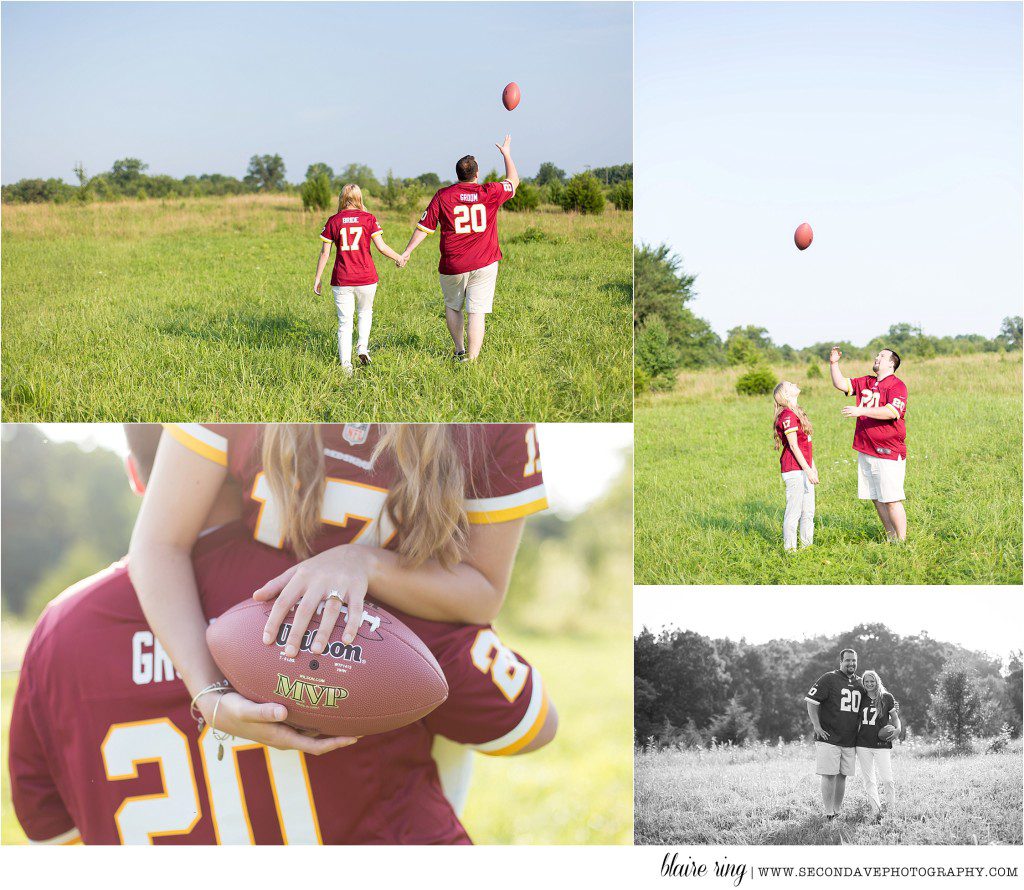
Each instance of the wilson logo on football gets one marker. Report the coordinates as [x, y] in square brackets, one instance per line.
[335, 648]
[312, 694]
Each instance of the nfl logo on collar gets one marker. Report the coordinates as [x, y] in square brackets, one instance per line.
[355, 433]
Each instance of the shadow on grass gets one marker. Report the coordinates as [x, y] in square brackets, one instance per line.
[623, 288]
[251, 328]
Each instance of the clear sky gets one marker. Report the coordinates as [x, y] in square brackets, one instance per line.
[894, 129]
[986, 619]
[201, 87]
[580, 459]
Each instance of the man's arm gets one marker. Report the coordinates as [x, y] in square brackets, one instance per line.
[417, 238]
[812, 712]
[838, 380]
[511, 174]
[885, 412]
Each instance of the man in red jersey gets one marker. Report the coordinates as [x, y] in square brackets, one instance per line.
[128, 764]
[468, 215]
[879, 437]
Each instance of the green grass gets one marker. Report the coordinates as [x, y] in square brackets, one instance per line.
[204, 309]
[577, 790]
[710, 501]
[770, 795]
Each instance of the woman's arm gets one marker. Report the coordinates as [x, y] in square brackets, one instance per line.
[325, 252]
[181, 490]
[378, 242]
[471, 592]
[812, 474]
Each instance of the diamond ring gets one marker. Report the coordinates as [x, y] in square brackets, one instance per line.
[334, 594]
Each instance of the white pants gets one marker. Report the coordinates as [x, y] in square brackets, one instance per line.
[880, 760]
[799, 509]
[347, 298]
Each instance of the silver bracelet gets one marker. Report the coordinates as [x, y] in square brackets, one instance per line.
[220, 686]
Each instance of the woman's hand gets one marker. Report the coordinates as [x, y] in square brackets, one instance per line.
[245, 719]
[344, 571]
[316, 287]
[812, 475]
[401, 260]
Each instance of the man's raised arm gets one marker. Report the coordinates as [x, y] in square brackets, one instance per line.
[511, 174]
[838, 380]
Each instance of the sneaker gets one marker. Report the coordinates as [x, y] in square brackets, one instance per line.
[460, 356]
[364, 358]
[346, 370]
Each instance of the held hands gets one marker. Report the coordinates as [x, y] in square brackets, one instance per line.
[337, 576]
[238, 716]
[401, 260]
[834, 355]
[506, 146]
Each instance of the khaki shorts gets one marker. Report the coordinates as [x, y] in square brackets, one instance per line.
[835, 761]
[879, 479]
[472, 291]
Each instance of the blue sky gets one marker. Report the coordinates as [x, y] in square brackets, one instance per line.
[894, 129]
[201, 87]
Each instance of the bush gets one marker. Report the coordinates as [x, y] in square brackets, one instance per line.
[756, 382]
[813, 370]
[527, 197]
[956, 708]
[622, 195]
[552, 193]
[583, 194]
[655, 353]
[735, 725]
[316, 192]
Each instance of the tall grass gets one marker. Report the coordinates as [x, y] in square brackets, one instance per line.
[204, 310]
[709, 500]
[769, 794]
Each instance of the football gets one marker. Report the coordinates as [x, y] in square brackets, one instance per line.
[887, 733]
[385, 678]
[803, 236]
[510, 96]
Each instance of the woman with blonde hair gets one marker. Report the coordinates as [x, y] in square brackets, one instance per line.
[792, 430]
[354, 278]
[425, 518]
[878, 710]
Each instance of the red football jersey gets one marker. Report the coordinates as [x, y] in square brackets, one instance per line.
[784, 423]
[127, 764]
[881, 438]
[351, 231]
[468, 214]
[839, 698]
[502, 469]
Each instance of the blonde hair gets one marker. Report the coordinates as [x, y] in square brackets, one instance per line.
[781, 404]
[425, 502]
[878, 680]
[351, 196]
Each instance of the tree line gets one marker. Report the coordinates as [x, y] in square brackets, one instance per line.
[670, 337]
[585, 192]
[691, 690]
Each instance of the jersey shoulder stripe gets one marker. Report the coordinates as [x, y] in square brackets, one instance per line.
[199, 439]
[483, 511]
[527, 729]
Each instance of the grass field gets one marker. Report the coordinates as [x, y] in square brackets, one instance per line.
[770, 795]
[578, 790]
[204, 310]
[709, 500]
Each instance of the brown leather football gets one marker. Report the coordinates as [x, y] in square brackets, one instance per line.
[385, 678]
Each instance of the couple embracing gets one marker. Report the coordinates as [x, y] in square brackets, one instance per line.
[467, 213]
[880, 440]
[854, 719]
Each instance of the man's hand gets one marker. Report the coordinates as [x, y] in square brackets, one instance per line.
[835, 354]
[316, 287]
[401, 261]
[820, 734]
[851, 411]
[506, 147]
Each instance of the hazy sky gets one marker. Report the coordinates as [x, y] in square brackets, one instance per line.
[988, 619]
[201, 87]
[894, 129]
[580, 459]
